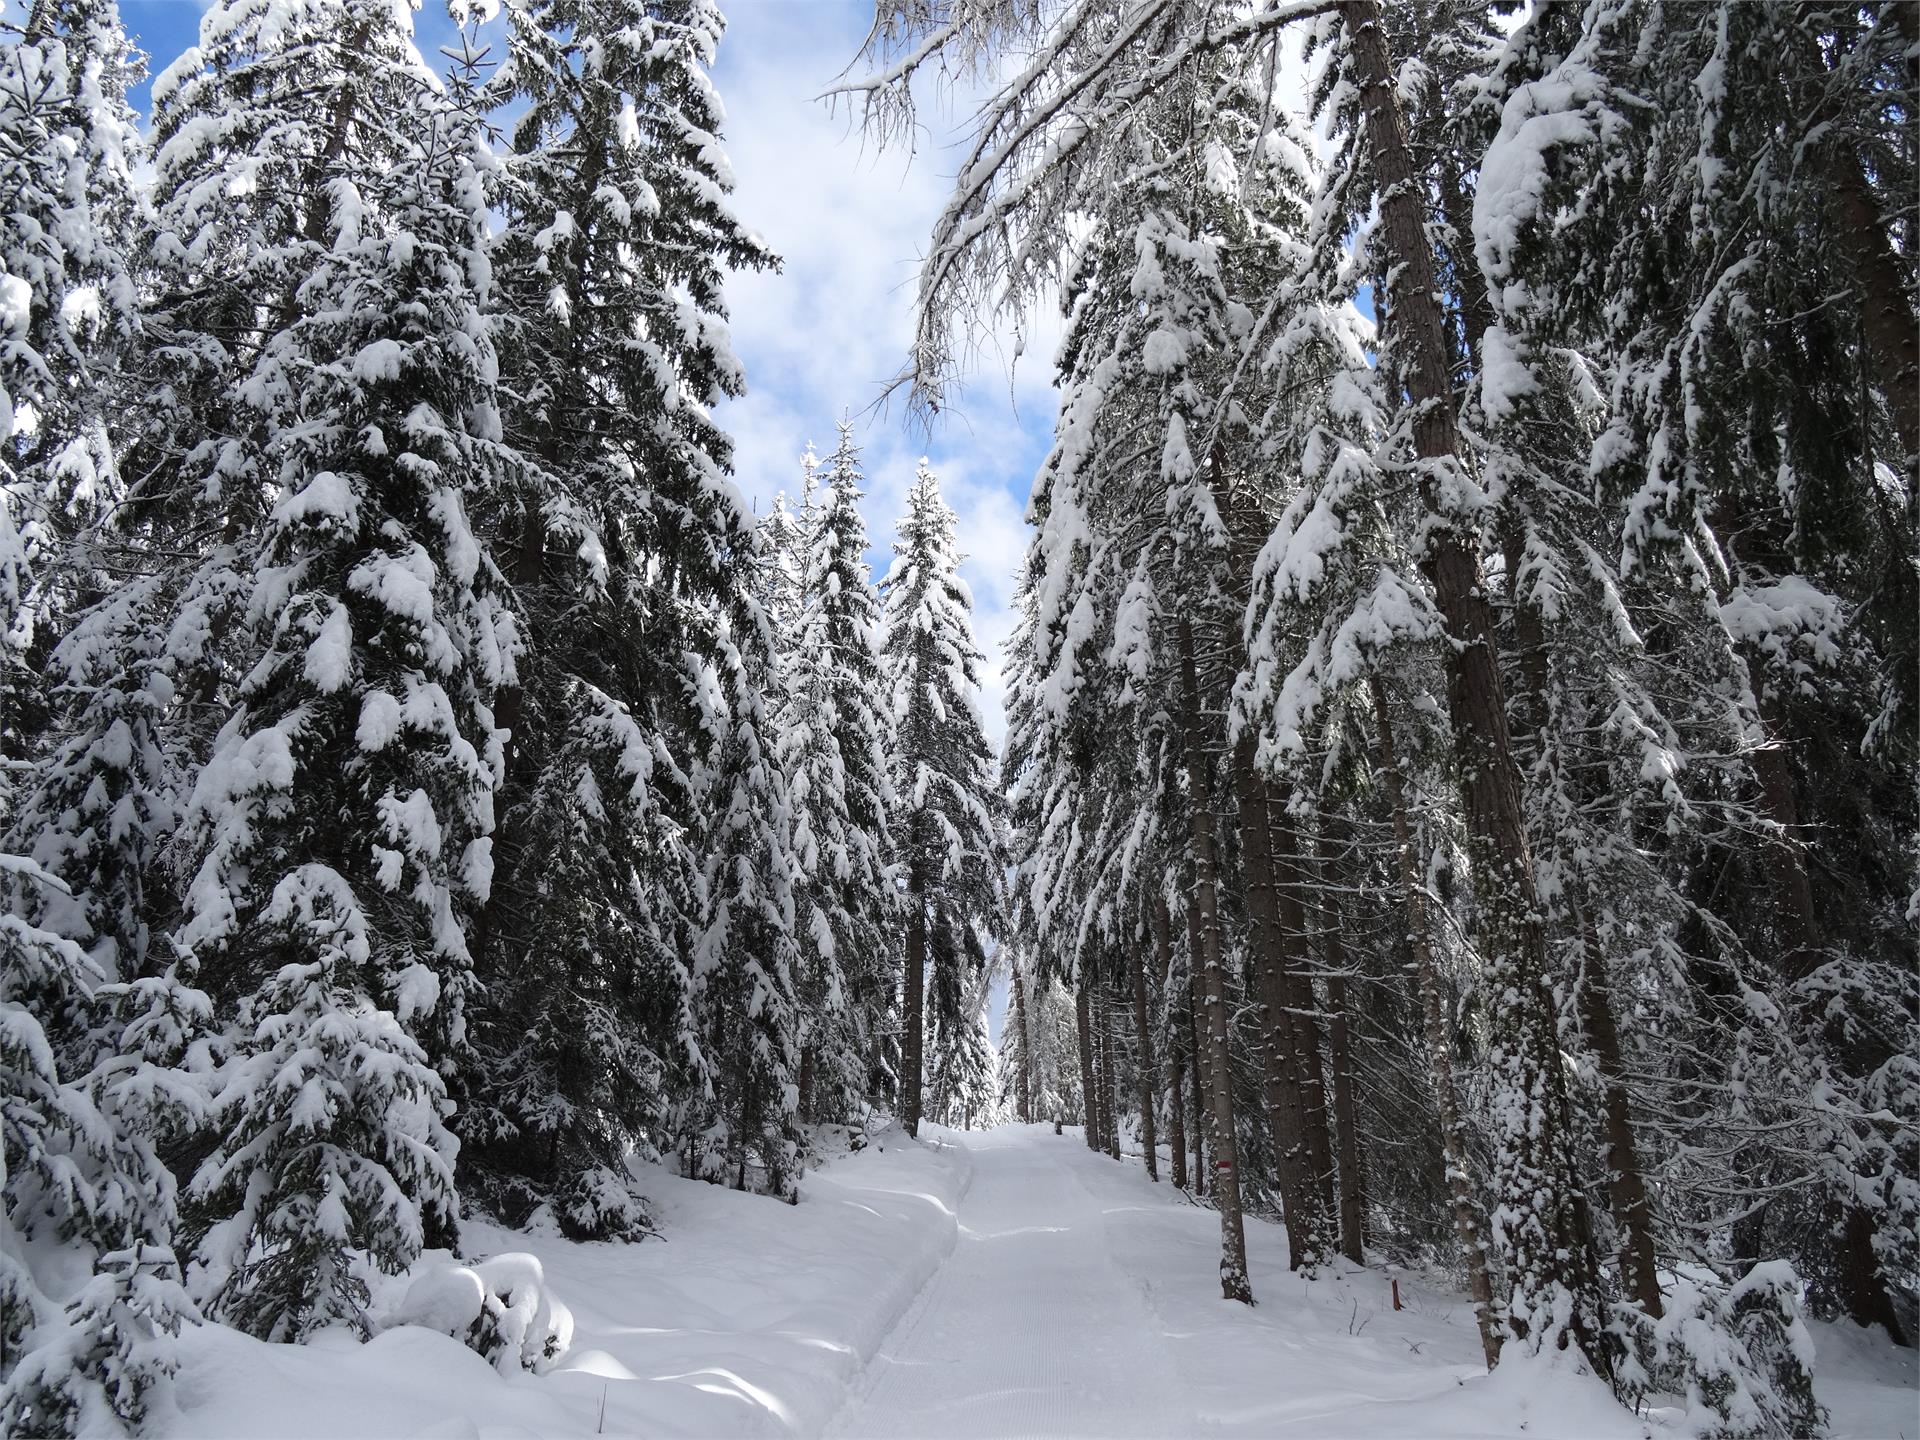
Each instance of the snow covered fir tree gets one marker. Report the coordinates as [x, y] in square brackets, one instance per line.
[1342, 854]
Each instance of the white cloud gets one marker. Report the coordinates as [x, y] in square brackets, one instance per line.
[826, 334]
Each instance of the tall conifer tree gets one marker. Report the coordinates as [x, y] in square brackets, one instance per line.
[948, 831]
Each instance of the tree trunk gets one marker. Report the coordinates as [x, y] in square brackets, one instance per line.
[1202, 1086]
[1234, 1284]
[1101, 1060]
[1886, 318]
[1864, 1288]
[1548, 1255]
[1176, 1053]
[1024, 1077]
[806, 1083]
[748, 1091]
[1143, 1034]
[1799, 926]
[1089, 1093]
[1278, 1053]
[1108, 1076]
[1291, 879]
[1289, 1039]
[1346, 1127]
[1626, 1185]
[915, 1000]
[1467, 1226]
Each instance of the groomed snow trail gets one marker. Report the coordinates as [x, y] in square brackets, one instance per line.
[1029, 1328]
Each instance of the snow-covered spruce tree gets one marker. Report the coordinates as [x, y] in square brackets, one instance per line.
[1759, 331]
[74, 1173]
[97, 808]
[963, 1077]
[620, 535]
[69, 315]
[739, 1127]
[1060, 1099]
[1338, 620]
[113, 1088]
[947, 826]
[1018, 1051]
[106, 1368]
[340, 828]
[1181, 151]
[833, 748]
[1539, 1226]
[783, 580]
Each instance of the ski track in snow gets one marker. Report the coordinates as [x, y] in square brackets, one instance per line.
[1029, 1328]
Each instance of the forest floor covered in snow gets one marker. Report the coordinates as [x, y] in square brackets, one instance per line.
[977, 1284]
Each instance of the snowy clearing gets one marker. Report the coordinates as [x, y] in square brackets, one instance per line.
[971, 1284]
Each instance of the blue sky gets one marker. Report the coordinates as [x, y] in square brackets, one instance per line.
[821, 337]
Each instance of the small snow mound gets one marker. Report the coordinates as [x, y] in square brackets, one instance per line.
[500, 1308]
[446, 1298]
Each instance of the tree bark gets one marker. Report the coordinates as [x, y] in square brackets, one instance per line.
[1547, 1252]
[1103, 1067]
[1291, 879]
[1202, 1086]
[1109, 1080]
[1234, 1284]
[1467, 1226]
[1089, 1094]
[1024, 1079]
[1340, 1056]
[1278, 1053]
[807, 1052]
[1886, 317]
[915, 999]
[1799, 925]
[1143, 1034]
[1626, 1183]
[1176, 1054]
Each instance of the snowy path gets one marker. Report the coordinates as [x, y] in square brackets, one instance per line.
[1029, 1328]
[1005, 1283]
[1082, 1300]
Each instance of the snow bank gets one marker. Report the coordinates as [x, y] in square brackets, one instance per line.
[1331, 1357]
[747, 1317]
[1871, 1388]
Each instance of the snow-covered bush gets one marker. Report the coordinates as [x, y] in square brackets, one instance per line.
[332, 1148]
[600, 1204]
[80, 1187]
[1741, 1355]
[103, 1367]
[499, 1308]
